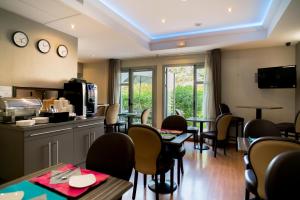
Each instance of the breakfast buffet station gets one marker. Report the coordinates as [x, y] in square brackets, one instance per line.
[38, 133]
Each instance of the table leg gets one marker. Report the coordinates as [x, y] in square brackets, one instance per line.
[258, 113]
[164, 186]
[204, 147]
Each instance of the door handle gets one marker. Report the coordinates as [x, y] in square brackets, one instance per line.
[49, 154]
[57, 153]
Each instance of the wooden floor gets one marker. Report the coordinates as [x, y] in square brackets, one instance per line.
[205, 177]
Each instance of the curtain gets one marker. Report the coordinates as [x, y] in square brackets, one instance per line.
[216, 71]
[212, 84]
[208, 103]
[113, 81]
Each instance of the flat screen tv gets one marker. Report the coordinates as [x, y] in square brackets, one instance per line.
[277, 77]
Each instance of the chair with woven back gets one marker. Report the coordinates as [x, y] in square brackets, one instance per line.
[176, 122]
[220, 135]
[190, 129]
[112, 154]
[236, 121]
[149, 155]
[111, 121]
[261, 152]
[259, 128]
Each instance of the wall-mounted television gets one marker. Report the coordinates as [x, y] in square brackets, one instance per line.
[277, 77]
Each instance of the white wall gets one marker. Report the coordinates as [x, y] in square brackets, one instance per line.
[239, 86]
[98, 73]
[27, 66]
[159, 62]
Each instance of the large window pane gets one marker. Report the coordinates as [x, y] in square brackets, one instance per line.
[199, 100]
[124, 98]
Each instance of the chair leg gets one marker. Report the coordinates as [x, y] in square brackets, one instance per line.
[156, 187]
[201, 143]
[178, 171]
[172, 178]
[215, 148]
[236, 135]
[181, 166]
[194, 138]
[135, 184]
[247, 194]
[145, 180]
[296, 136]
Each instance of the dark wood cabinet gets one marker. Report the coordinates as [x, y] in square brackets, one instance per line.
[25, 150]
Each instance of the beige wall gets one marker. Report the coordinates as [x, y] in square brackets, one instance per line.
[298, 77]
[27, 66]
[98, 73]
[239, 86]
[159, 62]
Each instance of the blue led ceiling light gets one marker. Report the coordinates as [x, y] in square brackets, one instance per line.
[187, 33]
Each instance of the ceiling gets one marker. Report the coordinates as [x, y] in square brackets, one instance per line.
[139, 28]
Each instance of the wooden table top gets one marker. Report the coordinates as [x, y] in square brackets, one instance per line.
[112, 188]
[261, 107]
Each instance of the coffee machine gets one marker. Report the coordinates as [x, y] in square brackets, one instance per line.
[82, 95]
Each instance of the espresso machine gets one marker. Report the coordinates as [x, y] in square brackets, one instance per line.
[82, 95]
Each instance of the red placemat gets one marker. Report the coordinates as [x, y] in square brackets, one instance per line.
[64, 188]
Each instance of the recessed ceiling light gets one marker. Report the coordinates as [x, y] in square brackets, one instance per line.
[229, 9]
[163, 21]
[198, 24]
[181, 44]
[73, 26]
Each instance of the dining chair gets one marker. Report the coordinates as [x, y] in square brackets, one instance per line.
[112, 154]
[235, 121]
[260, 153]
[283, 177]
[111, 120]
[220, 135]
[145, 116]
[289, 127]
[176, 122]
[190, 129]
[259, 128]
[149, 156]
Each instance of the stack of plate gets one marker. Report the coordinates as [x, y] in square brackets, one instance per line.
[41, 120]
[28, 122]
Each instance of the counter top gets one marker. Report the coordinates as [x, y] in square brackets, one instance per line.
[39, 126]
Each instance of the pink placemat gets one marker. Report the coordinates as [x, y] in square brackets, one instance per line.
[64, 188]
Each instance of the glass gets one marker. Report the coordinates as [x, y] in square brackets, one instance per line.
[199, 100]
[200, 74]
[124, 98]
[142, 91]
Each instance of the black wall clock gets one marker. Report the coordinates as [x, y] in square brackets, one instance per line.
[62, 51]
[43, 46]
[20, 39]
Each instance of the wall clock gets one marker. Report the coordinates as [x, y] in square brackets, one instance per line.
[62, 51]
[43, 46]
[20, 39]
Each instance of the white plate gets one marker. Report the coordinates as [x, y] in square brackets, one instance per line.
[28, 122]
[82, 181]
[12, 195]
[41, 120]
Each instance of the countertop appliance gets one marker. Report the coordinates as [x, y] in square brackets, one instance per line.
[13, 109]
[82, 95]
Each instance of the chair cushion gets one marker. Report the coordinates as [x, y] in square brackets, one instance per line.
[251, 182]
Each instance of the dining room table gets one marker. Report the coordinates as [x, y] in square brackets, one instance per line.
[201, 121]
[130, 116]
[164, 186]
[111, 189]
[258, 113]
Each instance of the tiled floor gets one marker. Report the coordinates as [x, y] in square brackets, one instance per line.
[205, 177]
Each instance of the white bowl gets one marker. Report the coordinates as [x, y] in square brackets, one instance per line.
[41, 120]
[28, 122]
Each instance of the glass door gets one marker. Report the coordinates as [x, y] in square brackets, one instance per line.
[136, 91]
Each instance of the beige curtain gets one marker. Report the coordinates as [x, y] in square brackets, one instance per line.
[208, 103]
[114, 81]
